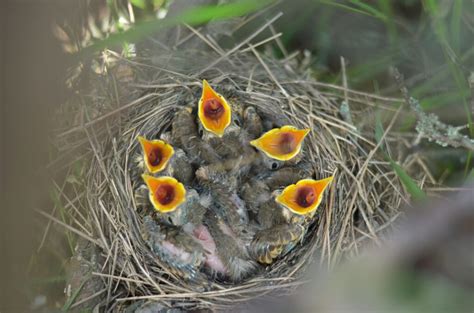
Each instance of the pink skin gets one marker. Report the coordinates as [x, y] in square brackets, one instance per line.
[202, 235]
[175, 251]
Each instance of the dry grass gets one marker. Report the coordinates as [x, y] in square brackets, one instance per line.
[359, 208]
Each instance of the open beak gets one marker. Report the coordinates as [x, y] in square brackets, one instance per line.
[305, 196]
[157, 154]
[166, 193]
[214, 112]
[281, 143]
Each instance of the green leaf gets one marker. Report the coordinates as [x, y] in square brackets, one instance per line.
[414, 190]
[411, 186]
[139, 3]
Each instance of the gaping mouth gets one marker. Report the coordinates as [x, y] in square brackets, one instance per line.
[166, 193]
[305, 196]
[287, 143]
[281, 143]
[213, 111]
[157, 154]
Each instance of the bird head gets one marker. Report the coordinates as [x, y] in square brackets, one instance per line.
[165, 193]
[304, 197]
[156, 154]
[214, 112]
[281, 143]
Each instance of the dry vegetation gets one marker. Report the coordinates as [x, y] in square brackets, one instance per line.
[139, 95]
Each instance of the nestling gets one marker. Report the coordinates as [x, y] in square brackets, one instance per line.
[285, 220]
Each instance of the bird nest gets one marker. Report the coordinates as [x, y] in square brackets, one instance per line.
[363, 199]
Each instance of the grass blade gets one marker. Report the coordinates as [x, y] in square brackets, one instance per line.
[414, 190]
[410, 185]
[193, 16]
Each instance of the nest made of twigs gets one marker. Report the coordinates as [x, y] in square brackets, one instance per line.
[364, 198]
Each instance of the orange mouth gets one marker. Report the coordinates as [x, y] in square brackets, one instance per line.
[214, 112]
[157, 154]
[305, 196]
[166, 193]
[281, 143]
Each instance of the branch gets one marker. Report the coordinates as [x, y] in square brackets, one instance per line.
[428, 124]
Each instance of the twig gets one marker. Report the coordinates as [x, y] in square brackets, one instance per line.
[428, 124]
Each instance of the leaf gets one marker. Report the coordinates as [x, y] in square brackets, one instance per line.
[414, 190]
[411, 186]
[138, 3]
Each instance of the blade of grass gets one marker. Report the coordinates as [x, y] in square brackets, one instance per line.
[347, 7]
[450, 54]
[369, 9]
[379, 130]
[193, 16]
[414, 190]
[389, 19]
[410, 185]
[55, 197]
[455, 30]
[442, 99]
[73, 297]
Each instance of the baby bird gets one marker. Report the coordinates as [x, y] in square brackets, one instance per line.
[287, 175]
[172, 203]
[156, 154]
[178, 251]
[284, 221]
[185, 134]
[228, 145]
[213, 110]
[231, 251]
[153, 158]
[282, 144]
[230, 208]
[180, 167]
[227, 173]
[255, 193]
[252, 126]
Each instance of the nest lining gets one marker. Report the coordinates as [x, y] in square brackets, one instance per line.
[364, 198]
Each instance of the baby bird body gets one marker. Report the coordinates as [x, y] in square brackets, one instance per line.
[285, 219]
[237, 264]
[179, 252]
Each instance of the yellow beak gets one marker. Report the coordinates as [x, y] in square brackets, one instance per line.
[156, 153]
[166, 193]
[281, 143]
[213, 111]
[305, 196]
